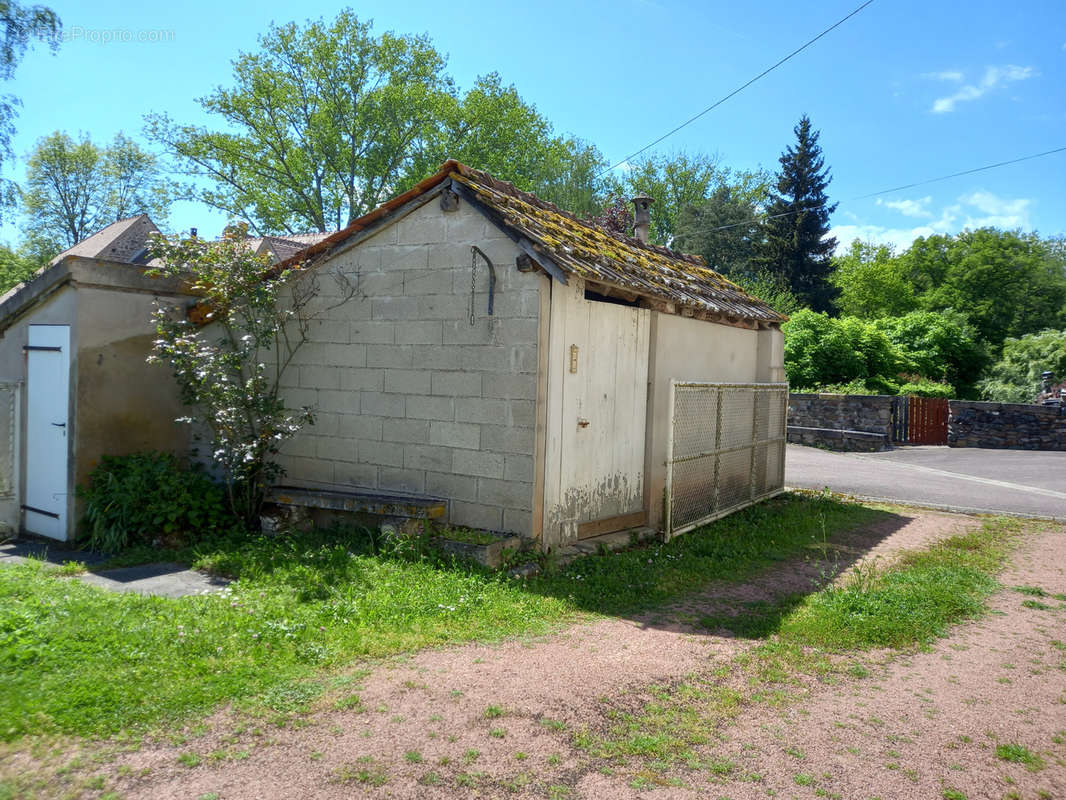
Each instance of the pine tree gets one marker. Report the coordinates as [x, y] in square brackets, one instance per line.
[795, 246]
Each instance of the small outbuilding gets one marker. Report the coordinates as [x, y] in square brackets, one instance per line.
[539, 374]
[74, 383]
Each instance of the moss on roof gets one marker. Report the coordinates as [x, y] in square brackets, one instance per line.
[586, 250]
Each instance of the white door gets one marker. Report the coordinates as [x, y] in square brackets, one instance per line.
[47, 422]
[604, 414]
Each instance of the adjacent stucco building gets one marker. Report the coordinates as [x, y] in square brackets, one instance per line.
[74, 383]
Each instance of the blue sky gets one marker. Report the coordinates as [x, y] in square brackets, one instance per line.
[902, 92]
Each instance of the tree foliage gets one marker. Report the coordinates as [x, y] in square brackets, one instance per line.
[796, 244]
[872, 281]
[821, 350]
[725, 228]
[230, 371]
[15, 267]
[19, 27]
[1007, 283]
[325, 121]
[942, 347]
[318, 126]
[75, 188]
[674, 181]
[492, 128]
[1015, 377]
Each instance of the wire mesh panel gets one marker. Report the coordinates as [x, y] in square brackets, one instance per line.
[726, 449]
[9, 406]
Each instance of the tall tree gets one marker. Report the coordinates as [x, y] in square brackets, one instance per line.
[318, 126]
[492, 128]
[1008, 283]
[725, 228]
[325, 121]
[19, 27]
[74, 188]
[797, 245]
[873, 282]
[674, 181]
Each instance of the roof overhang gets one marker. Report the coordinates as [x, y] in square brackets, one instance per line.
[80, 272]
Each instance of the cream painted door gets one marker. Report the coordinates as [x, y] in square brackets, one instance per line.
[47, 418]
[604, 413]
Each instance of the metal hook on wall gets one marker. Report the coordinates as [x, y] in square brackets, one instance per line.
[476, 251]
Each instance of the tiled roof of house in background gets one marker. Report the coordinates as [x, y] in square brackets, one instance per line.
[682, 282]
[286, 246]
[124, 241]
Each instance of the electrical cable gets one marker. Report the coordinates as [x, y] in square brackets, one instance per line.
[736, 91]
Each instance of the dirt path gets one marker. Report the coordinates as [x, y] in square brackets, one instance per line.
[494, 721]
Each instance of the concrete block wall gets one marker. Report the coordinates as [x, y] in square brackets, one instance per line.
[411, 398]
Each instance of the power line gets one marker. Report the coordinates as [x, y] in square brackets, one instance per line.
[738, 90]
[898, 188]
[958, 174]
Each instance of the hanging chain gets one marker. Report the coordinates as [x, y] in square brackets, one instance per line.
[473, 283]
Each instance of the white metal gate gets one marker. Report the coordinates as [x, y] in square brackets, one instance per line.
[726, 449]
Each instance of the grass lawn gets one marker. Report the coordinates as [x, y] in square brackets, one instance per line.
[83, 661]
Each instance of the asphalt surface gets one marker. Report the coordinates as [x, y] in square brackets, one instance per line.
[1020, 482]
[161, 579]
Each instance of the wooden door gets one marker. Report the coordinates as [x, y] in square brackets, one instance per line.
[604, 414]
[927, 420]
[47, 419]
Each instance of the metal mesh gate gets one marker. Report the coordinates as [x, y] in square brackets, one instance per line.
[726, 449]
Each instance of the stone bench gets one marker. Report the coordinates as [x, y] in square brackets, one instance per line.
[836, 439]
[403, 513]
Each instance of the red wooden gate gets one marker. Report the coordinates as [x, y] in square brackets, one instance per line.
[927, 421]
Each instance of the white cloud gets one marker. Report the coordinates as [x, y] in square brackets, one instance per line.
[994, 78]
[997, 212]
[978, 209]
[953, 75]
[909, 208]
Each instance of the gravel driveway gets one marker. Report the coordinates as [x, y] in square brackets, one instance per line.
[498, 720]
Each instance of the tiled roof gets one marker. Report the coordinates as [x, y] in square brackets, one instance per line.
[123, 241]
[581, 248]
[287, 246]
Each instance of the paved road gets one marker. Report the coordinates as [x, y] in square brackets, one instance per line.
[967, 479]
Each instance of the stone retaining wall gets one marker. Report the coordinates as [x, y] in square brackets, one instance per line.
[851, 412]
[834, 439]
[1009, 426]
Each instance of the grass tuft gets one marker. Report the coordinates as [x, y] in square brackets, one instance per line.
[1019, 754]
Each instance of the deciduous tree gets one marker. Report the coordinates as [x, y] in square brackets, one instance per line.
[872, 281]
[325, 121]
[74, 188]
[19, 27]
[1015, 377]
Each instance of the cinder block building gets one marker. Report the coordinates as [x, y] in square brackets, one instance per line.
[522, 365]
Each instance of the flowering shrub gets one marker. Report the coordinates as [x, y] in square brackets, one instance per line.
[230, 361]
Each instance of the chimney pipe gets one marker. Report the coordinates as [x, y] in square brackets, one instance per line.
[642, 204]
